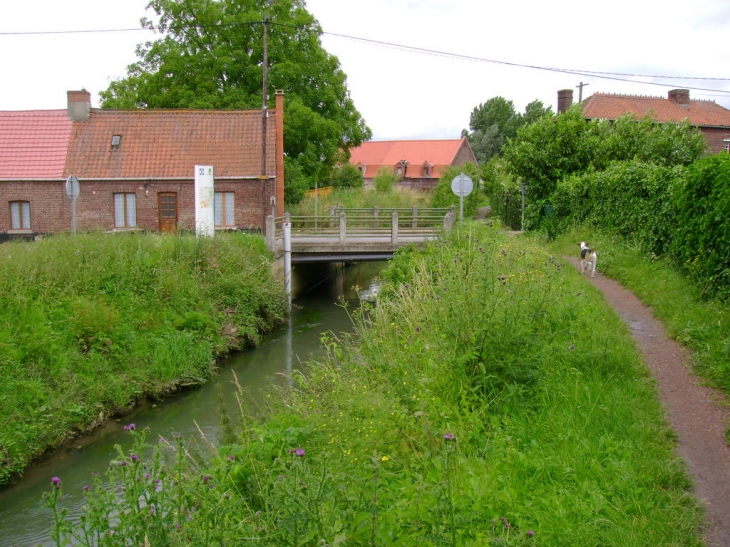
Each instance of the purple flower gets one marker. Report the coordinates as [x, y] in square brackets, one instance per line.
[231, 458]
[530, 533]
[501, 518]
[206, 478]
[55, 481]
[299, 452]
[86, 488]
[122, 463]
[418, 329]
[129, 427]
[146, 475]
[152, 511]
[507, 525]
[449, 437]
[134, 457]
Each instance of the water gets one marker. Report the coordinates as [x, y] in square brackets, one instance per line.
[24, 522]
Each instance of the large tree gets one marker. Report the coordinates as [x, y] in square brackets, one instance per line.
[210, 55]
[496, 121]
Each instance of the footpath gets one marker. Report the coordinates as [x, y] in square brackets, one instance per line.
[699, 415]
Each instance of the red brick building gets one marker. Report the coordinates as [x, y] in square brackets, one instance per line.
[419, 163]
[708, 116]
[136, 167]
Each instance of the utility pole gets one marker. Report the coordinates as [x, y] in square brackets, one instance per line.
[264, 101]
[580, 91]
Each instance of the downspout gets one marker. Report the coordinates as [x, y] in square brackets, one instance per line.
[279, 152]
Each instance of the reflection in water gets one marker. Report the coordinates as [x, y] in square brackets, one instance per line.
[317, 309]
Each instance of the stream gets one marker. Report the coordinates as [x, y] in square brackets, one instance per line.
[25, 522]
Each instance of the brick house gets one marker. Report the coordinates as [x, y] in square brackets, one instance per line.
[136, 167]
[418, 163]
[708, 116]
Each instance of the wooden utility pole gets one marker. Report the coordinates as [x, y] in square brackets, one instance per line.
[264, 101]
[580, 91]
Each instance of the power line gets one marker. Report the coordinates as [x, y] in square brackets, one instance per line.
[617, 76]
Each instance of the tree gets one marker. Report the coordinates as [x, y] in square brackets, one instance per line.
[346, 176]
[210, 55]
[495, 122]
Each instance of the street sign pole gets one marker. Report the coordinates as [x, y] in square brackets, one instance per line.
[462, 185]
[72, 191]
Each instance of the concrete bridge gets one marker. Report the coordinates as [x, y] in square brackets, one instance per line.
[351, 234]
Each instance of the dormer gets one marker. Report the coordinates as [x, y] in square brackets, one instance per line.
[362, 167]
[427, 169]
[400, 168]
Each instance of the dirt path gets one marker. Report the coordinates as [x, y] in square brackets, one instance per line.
[692, 410]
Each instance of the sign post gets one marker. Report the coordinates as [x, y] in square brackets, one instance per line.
[204, 201]
[462, 185]
[72, 191]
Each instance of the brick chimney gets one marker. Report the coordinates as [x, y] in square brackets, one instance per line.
[279, 152]
[565, 99]
[679, 96]
[79, 105]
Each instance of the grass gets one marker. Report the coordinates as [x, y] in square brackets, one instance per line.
[478, 403]
[700, 324]
[95, 322]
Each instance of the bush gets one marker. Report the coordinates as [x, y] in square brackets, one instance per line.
[346, 176]
[443, 195]
[702, 240]
[385, 179]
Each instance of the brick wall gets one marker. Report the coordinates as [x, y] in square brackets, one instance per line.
[716, 137]
[50, 207]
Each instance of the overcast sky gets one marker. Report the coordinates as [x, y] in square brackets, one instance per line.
[464, 52]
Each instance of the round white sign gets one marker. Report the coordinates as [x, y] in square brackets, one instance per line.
[462, 185]
[72, 187]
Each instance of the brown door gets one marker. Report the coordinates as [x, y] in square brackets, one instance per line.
[167, 211]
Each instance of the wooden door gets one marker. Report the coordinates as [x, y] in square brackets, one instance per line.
[167, 211]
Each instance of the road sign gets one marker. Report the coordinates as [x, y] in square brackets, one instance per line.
[462, 185]
[72, 187]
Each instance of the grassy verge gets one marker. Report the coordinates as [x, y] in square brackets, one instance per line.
[92, 323]
[490, 398]
[701, 325]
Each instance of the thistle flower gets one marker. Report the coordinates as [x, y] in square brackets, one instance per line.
[449, 437]
[299, 452]
[530, 533]
[56, 482]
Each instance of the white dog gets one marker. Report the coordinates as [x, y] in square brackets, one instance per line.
[588, 258]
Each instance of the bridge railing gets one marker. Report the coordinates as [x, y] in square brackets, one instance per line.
[359, 223]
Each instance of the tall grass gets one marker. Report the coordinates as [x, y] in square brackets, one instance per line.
[92, 323]
[489, 398]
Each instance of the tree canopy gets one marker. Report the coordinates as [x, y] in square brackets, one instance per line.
[496, 121]
[210, 55]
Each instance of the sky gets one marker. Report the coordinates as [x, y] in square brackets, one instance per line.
[415, 68]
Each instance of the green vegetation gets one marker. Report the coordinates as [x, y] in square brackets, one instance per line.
[385, 180]
[95, 322]
[490, 398]
[443, 195]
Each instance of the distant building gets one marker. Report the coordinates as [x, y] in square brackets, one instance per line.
[708, 116]
[135, 167]
[418, 163]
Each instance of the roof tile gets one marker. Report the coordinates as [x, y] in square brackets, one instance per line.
[33, 144]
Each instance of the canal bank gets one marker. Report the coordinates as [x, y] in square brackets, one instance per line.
[317, 309]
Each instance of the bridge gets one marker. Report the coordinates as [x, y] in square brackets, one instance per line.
[355, 234]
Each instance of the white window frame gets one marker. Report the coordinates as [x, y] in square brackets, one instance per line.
[224, 209]
[125, 210]
[20, 215]
[727, 146]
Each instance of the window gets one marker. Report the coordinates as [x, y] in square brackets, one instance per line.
[426, 169]
[727, 146]
[223, 209]
[125, 210]
[20, 215]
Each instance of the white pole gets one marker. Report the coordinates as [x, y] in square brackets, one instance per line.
[461, 209]
[287, 260]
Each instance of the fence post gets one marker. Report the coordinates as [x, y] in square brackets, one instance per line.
[271, 233]
[343, 228]
[375, 216]
[415, 217]
[332, 216]
[449, 221]
[394, 228]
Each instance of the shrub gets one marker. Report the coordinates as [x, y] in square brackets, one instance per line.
[702, 241]
[346, 176]
[384, 180]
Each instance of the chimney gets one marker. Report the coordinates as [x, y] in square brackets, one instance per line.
[79, 105]
[279, 152]
[679, 96]
[565, 99]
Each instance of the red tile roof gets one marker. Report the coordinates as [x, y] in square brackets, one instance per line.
[33, 144]
[168, 143]
[699, 113]
[376, 154]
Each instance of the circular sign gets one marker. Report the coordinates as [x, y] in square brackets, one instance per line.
[462, 185]
[72, 187]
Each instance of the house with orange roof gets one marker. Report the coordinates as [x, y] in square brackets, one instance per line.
[708, 116]
[136, 167]
[417, 163]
